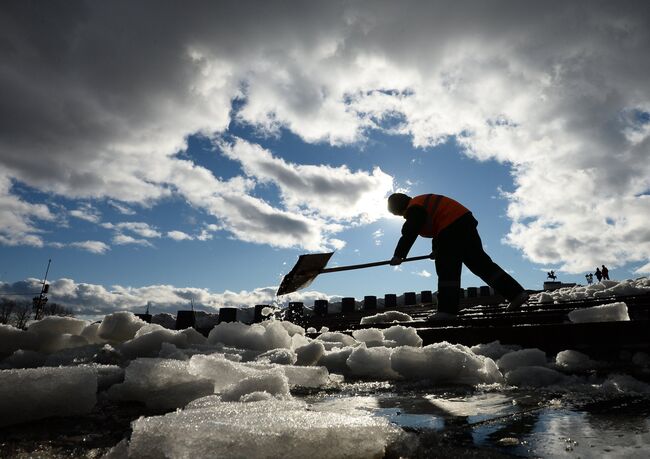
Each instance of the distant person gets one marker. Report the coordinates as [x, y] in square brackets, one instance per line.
[599, 275]
[590, 278]
[455, 241]
[605, 272]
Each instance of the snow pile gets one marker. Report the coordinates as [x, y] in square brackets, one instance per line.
[270, 428]
[261, 385]
[372, 363]
[612, 312]
[603, 289]
[39, 393]
[386, 317]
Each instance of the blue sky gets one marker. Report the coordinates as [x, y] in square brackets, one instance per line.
[202, 161]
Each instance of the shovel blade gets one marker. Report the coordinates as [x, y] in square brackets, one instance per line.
[304, 272]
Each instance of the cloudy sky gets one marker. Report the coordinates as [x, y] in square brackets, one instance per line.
[165, 151]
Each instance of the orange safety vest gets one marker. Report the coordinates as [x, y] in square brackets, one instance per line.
[441, 212]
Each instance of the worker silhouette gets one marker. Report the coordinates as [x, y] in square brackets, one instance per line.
[605, 272]
[590, 278]
[599, 275]
[455, 240]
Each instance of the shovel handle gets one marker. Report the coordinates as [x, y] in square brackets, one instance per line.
[370, 265]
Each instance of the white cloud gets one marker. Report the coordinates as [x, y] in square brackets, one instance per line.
[121, 208]
[17, 226]
[96, 300]
[377, 236]
[179, 236]
[86, 212]
[125, 239]
[423, 273]
[556, 90]
[140, 228]
[91, 246]
[326, 191]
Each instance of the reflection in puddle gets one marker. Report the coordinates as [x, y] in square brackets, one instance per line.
[508, 421]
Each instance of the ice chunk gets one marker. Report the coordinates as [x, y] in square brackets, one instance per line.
[444, 363]
[279, 356]
[534, 376]
[218, 369]
[271, 428]
[522, 358]
[56, 325]
[193, 337]
[611, 312]
[91, 334]
[403, 336]
[371, 363]
[297, 376]
[386, 317]
[149, 344]
[273, 382]
[292, 328]
[618, 384]
[24, 359]
[107, 375]
[574, 361]
[309, 354]
[120, 326]
[160, 384]
[369, 336]
[50, 343]
[268, 335]
[336, 339]
[336, 360]
[12, 339]
[299, 341]
[494, 350]
[39, 393]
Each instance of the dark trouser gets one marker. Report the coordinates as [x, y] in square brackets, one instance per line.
[460, 243]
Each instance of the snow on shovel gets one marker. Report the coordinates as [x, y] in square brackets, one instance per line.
[311, 265]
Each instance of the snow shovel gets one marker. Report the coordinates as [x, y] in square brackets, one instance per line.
[311, 265]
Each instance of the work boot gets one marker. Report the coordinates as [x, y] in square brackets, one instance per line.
[441, 316]
[516, 302]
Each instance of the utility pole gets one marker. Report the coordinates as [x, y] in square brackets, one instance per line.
[40, 300]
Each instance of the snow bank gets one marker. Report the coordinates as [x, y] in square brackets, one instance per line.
[120, 326]
[386, 317]
[445, 363]
[55, 325]
[270, 428]
[149, 343]
[39, 393]
[612, 312]
[522, 358]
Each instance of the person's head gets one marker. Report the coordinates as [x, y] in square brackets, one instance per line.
[397, 203]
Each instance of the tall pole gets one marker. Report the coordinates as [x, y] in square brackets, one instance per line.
[41, 297]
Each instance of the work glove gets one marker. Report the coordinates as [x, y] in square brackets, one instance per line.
[433, 254]
[396, 261]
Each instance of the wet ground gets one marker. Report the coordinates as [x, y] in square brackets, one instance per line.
[487, 422]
